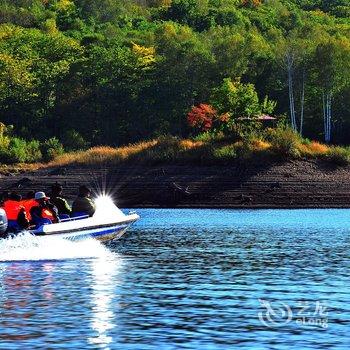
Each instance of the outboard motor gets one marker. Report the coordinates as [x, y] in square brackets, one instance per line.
[3, 222]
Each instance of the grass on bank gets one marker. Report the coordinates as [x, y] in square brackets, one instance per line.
[206, 149]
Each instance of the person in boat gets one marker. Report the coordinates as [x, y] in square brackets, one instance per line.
[56, 198]
[23, 219]
[44, 212]
[3, 217]
[28, 203]
[15, 212]
[83, 204]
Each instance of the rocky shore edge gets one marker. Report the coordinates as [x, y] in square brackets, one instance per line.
[292, 184]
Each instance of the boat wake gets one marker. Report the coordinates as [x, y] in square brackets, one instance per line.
[26, 247]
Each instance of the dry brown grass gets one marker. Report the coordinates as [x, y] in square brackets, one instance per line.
[189, 144]
[313, 149]
[319, 148]
[102, 154]
[186, 151]
[19, 168]
[260, 145]
[129, 151]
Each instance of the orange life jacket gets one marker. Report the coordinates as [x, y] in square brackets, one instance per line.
[12, 209]
[48, 214]
[29, 204]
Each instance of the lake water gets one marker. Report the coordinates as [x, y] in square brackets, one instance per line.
[185, 279]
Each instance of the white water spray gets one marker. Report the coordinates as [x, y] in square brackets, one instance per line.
[26, 247]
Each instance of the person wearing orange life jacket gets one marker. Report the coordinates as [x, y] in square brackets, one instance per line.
[44, 212]
[15, 212]
[29, 203]
[12, 206]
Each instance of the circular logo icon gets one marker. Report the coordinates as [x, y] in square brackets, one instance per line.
[275, 315]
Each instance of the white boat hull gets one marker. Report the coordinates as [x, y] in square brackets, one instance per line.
[102, 229]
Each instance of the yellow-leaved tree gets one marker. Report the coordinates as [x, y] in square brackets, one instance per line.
[146, 55]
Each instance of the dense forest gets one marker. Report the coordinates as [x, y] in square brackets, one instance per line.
[111, 72]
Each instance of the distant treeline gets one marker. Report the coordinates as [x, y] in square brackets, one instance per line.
[93, 72]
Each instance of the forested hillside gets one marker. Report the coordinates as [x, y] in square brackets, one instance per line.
[92, 72]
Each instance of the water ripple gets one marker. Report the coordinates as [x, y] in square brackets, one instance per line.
[187, 279]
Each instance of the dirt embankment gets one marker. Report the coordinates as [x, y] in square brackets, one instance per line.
[296, 184]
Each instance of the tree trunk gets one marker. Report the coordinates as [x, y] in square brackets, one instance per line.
[324, 108]
[290, 90]
[329, 103]
[302, 101]
[327, 115]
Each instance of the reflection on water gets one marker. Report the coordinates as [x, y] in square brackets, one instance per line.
[105, 275]
[196, 279]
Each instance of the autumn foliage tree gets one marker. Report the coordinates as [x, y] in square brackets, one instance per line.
[202, 117]
[205, 117]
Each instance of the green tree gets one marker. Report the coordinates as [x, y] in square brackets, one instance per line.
[236, 98]
[183, 76]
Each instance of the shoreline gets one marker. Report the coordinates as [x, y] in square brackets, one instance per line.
[297, 184]
[240, 207]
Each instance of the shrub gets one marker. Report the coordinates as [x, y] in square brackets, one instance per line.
[73, 141]
[227, 152]
[166, 149]
[4, 138]
[33, 152]
[205, 137]
[51, 148]
[209, 137]
[284, 142]
[17, 150]
[338, 155]
[20, 151]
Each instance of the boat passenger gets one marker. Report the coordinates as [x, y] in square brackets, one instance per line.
[57, 199]
[44, 212]
[13, 207]
[83, 204]
[29, 203]
[22, 220]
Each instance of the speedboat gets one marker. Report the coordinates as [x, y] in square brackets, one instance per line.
[107, 224]
[81, 228]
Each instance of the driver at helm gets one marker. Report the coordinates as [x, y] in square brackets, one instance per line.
[44, 212]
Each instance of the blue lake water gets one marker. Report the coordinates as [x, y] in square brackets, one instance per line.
[185, 279]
